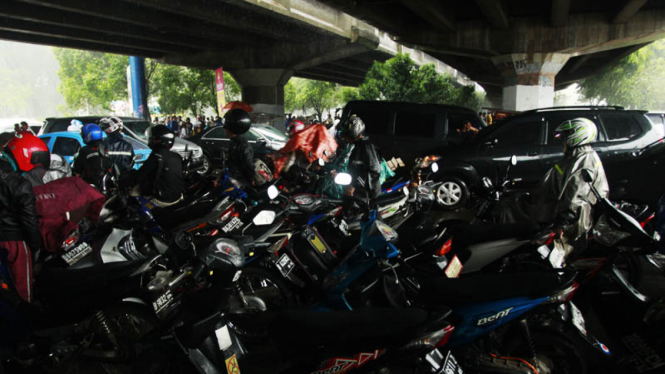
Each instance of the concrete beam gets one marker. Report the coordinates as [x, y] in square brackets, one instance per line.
[628, 11]
[494, 12]
[361, 42]
[560, 10]
[148, 18]
[328, 78]
[56, 17]
[75, 44]
[437, 13]
[35, 28]
[223, 14]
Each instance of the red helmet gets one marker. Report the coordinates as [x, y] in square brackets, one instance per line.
[296, 126]
[28, 151]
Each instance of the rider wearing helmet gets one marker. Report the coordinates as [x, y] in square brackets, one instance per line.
[161, 177]
[29, 155]
[92, 161]
[564, 197]
[240, 161]
[20, 239]
[364, 162]
[118, 149]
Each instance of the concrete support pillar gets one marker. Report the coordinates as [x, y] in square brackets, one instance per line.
[529, 79]
[263, 89]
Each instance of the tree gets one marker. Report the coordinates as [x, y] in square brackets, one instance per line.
[399, 79]
[231, 88]
[636, 81]
[290, 103]
[91, 80]
[182, 89]
[318, 95]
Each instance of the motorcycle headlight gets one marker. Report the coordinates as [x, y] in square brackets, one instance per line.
[226, 250]
[386, 231]
[265, 217]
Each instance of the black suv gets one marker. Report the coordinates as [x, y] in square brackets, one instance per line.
[407, 130]
[628, 143]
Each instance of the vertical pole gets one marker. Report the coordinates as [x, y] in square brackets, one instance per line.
[138, 84]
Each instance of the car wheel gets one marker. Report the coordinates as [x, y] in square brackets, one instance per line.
[206, 167]
[452, 193]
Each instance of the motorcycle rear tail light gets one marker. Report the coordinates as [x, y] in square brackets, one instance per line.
[434, 339]
[445, 248]
[565, 295]
[228, 213]
[547, 239]
[644, 223]
[71, 240]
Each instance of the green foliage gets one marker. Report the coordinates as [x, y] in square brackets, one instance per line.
[307, 94]
[231, 88]
[637, 81]
[399, 79]
[183, 89]
[91, 79]
[290, 103]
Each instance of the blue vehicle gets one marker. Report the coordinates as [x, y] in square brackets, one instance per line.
[67, 145]
[484, 305]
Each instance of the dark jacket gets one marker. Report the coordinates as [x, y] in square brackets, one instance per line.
[365, 168]
[161, 176]
[120, 151]
[18, 219]
[92, 163]
[241, 160]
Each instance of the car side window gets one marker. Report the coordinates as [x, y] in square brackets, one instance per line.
[620, 127]
[216, 133]
[377, 122]
[45, 139]
[415, 125]
[66, 146]
[523, 132]
[556, 119]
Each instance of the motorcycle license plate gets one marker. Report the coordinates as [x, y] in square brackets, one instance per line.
[578, 318]
[232, 225]
[441, 364]
[454, 268]
[285, 265]
[344, 227]
[75, 254]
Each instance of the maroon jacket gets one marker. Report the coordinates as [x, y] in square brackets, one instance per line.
[61, 205]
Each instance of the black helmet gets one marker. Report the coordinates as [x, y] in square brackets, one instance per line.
[353, 128]
[161, 136]
[237, 121]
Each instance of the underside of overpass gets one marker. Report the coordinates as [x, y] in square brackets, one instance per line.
[517, 48]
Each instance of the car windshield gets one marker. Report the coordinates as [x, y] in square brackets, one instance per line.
[271, 133]
[140, 128]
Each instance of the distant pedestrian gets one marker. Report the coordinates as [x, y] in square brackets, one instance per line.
[218, 121]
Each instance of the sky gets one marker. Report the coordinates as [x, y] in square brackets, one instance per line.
[29, 81]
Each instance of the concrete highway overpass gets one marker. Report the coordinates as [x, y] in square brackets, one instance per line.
[261, 42]
[518, 50]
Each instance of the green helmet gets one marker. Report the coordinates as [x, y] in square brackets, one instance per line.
[577, 132]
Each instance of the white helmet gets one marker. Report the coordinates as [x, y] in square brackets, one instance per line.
[577, 132]
[110, 124]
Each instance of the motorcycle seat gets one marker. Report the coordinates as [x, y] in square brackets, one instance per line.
[390, 198]
[465, 235]
[362, 329]
[64, 279]
[481, 288]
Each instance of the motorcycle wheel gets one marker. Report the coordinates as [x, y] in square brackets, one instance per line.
[129, 323]
[263, 290]
[555, 353]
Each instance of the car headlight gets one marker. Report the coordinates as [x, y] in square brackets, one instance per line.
[226, 250]
[197, 152]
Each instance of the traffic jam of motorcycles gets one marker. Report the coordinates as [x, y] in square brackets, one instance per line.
[325, 256]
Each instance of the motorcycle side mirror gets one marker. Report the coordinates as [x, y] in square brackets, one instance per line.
[265, 217]
[272, 192]
[343, 179]
[586, 175]
[321, 162]
[513, 160]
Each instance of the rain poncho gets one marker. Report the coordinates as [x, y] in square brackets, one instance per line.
[563, 197]
[309, 143]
